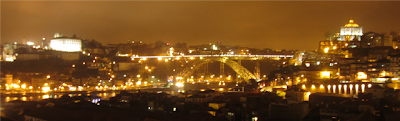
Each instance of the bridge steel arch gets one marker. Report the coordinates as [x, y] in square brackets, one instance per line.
[239, 69]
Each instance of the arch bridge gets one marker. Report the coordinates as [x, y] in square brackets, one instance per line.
[225, 59]
[238, 68]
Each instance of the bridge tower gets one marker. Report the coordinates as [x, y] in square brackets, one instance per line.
[257, 69]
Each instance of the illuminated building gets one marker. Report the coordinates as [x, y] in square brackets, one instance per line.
[349, 37]
[9, 52]
[124, 50]
[325, 74]
[355, 70]
[298, 58]
[297, 95]
[372, 39]
[9, 79]
[361, 76]
[38, 81]
[310, 59]
[326, 46]
[350, 31]
[395, 66]
[66, 44]
[317, 75]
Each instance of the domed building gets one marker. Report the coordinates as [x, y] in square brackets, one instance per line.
[349, 37]
[350, 32]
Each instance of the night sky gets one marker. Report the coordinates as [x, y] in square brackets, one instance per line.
[262, 24]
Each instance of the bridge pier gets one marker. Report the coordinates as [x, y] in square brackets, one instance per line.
[237, 74]
[221, 69]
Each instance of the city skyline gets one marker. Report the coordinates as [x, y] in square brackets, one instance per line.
[261, 24]
[199, 60]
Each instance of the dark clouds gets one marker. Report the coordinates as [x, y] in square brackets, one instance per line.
[262, 24]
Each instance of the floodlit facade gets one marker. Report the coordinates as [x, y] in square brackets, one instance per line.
[350, 31]
[66, 44]
[349, 37]
[8, 53]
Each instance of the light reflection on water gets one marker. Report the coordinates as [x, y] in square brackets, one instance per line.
[102, 95]
[34, 97]
[46, 96]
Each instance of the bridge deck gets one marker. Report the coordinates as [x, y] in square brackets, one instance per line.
[188, 56]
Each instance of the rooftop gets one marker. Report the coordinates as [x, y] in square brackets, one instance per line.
[351, 24]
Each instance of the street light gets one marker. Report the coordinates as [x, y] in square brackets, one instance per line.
[46, 87]
[23, 86]
[179, 84]
[325, 74]
[326, 50]
[383, 73]
[361, 75]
